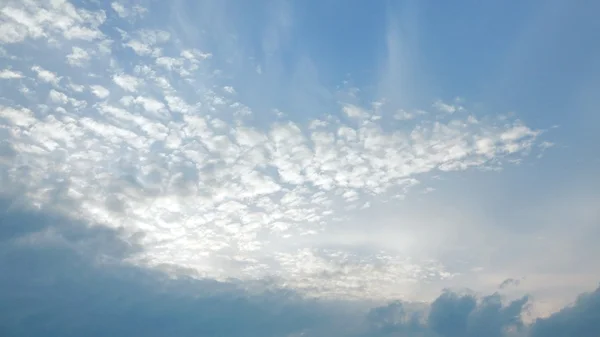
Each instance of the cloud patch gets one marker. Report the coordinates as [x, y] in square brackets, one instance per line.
[99, 91]
[7, 74]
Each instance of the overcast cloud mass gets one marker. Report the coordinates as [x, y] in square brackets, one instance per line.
[299, 168]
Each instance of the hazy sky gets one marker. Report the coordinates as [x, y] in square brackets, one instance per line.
[417, 168]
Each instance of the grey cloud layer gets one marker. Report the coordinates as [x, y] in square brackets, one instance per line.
[62, 277]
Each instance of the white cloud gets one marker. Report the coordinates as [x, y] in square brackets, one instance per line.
[447, 108]
[127, 82]
[18, 25]
[139, 47]
[517, 132]
[315, 124]
[120, 9]
[99, 91]
[46, 75]
[195, 55]
[58, 97]
[546, 145]
[403, 115]
[76, 87]
[78, 57]
[149, 104]
[353, 111]
[49, 20]
[169, 63]
[123, 12]
[147, 41]
[8, 74]
[82, 33]
[17, 117]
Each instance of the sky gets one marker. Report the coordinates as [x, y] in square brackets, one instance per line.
[299, 168]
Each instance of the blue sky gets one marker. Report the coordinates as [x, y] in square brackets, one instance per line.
[417, 168]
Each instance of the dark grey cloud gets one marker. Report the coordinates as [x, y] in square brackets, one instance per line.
[582, 319]
[509, 282]
[449, 314]
[453, 315]
[62, 277]
[396, 319]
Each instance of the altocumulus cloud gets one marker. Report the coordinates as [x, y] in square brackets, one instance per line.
[150, 189]
[128, 124]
